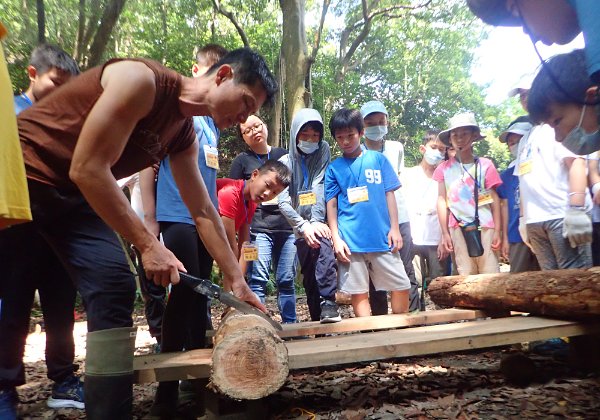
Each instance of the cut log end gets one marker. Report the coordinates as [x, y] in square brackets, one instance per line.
[249, 359]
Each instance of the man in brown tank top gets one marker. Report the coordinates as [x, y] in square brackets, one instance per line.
[110, 122]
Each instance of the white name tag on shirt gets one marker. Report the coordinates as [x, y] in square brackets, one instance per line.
[358, 194]
[211, 156]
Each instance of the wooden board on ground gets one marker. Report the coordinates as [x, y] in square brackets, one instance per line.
[380, 322]
[377, 345]
[430, 340]
[172, 366]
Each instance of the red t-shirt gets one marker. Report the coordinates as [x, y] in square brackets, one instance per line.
[230, 193]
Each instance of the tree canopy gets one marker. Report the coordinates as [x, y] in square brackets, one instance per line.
[413, 55]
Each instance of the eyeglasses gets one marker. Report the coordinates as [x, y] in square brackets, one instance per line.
[256, 129]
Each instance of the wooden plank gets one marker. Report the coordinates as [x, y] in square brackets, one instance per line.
[430, 340]
[380, 322]
[196, 364]
[376, 345]
[172, 366]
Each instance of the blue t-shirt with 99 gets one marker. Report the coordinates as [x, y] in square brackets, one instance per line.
[364, 226]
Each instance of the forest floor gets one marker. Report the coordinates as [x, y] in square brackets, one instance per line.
[464, 385]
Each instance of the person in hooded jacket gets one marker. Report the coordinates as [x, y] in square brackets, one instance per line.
[303, 205]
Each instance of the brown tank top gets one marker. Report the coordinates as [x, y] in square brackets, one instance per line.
[49, 130]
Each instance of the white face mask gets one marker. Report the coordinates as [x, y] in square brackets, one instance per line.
[308, 147]
[376, 132]
[433, 156]
[580, 142]
[514, 150]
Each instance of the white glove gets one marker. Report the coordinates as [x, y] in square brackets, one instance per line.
[577, 226]
[523, 231]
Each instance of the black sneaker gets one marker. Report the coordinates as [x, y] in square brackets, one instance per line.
[8, 404]
[67, 394]
[330, 312]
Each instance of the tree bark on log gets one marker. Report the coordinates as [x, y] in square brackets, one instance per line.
[573, 293]
[249, 359]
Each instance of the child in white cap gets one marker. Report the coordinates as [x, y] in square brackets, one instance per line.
[375, 117]
[513, 248]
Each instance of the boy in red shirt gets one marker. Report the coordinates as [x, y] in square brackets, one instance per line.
[238, 200]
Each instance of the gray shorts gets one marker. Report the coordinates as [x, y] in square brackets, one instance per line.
[385, 269]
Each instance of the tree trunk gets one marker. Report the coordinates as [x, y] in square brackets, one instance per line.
[77, 50]
[109, 20]
[276, 136]
[249, 359]
[573, 293]
[295, 56]
[41, 21]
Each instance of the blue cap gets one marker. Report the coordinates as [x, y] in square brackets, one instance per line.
[372, 106]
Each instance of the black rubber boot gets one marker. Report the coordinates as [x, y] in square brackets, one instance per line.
[108, 381]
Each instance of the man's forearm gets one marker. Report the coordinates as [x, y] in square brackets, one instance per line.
[184, 166]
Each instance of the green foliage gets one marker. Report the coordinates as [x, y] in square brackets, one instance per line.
[416, 61]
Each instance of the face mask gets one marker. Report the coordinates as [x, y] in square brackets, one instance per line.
[580, 142]
[513, 150]
[432, 156]
[308, 147]
[376, 133]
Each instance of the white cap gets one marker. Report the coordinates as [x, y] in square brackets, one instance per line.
[372, 106]
[520, 128]
[524, 84]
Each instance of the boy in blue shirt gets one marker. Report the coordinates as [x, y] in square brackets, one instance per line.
[363, 218]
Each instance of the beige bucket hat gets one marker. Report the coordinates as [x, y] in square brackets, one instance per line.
[465, 119]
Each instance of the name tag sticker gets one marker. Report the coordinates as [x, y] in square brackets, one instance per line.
[485, 198]
[249, 251]
[307, 198]
[525, 167]
[211, 156]
[358, 194]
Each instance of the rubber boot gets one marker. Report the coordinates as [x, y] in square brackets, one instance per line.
[108, 382]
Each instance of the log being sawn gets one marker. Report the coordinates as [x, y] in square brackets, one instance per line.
[249, 359]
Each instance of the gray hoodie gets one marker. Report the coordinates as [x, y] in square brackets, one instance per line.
[316, 163]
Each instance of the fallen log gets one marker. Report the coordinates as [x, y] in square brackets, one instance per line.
[573, 293]
[249, 359]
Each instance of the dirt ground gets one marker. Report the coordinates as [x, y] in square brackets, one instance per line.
[467, 385]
